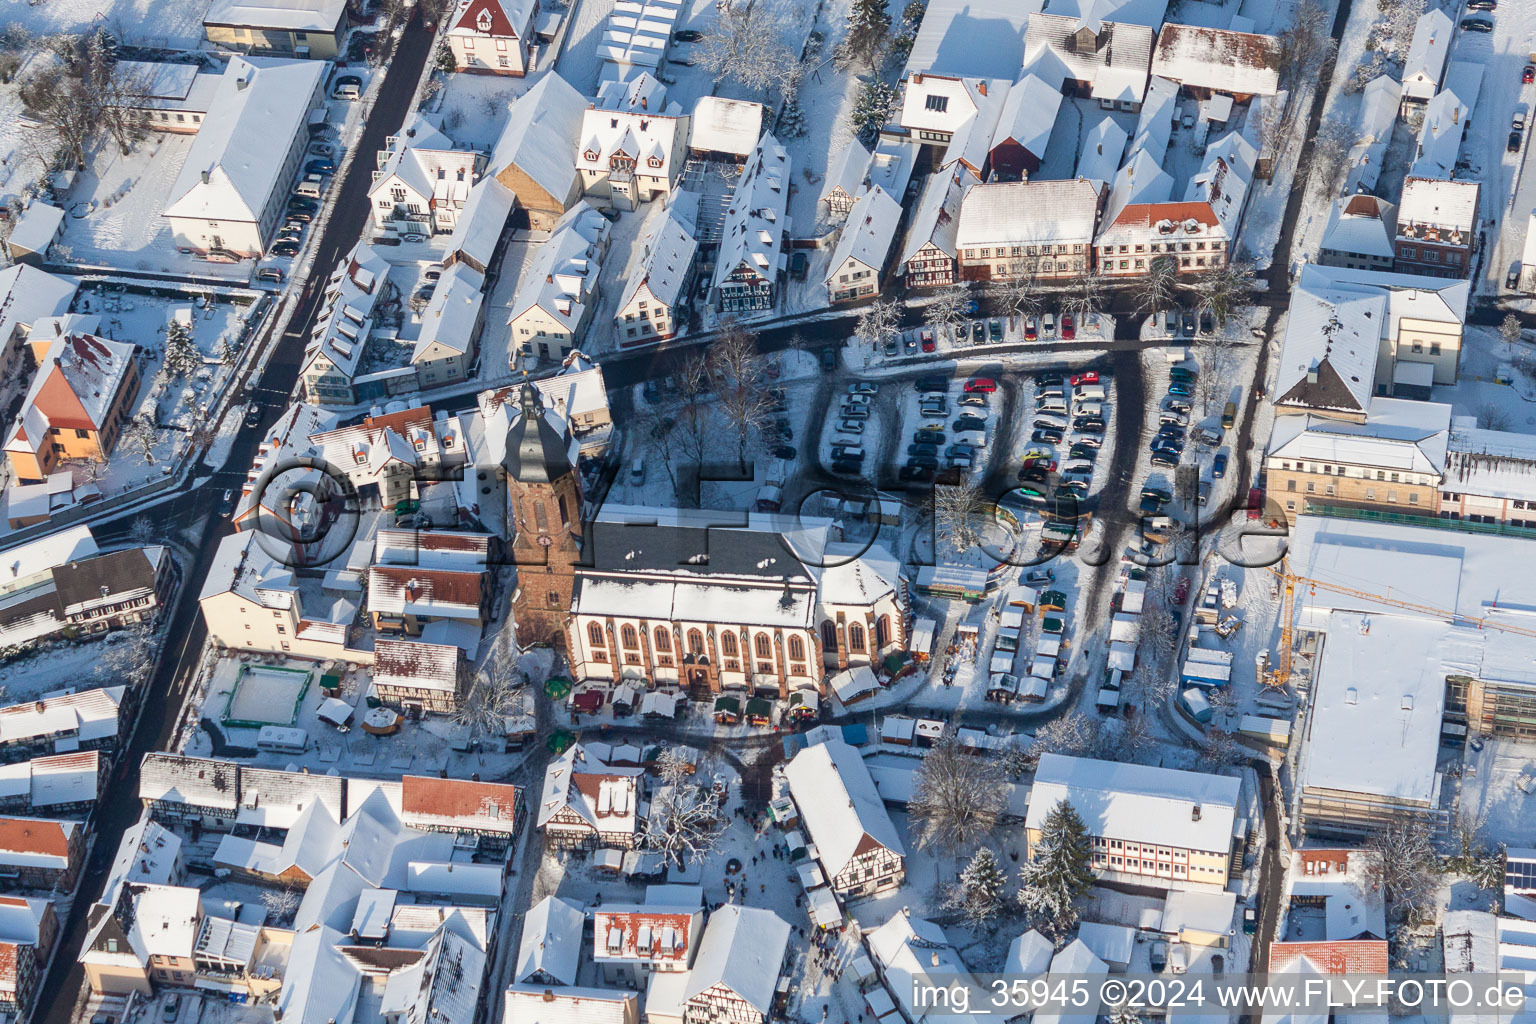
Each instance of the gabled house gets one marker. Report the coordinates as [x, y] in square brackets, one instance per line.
[630, 942]
[405, 599]
[477, 236]
[1190, 233]
[233, 186]
[1436, 227]
[863, 244]
[930, 257]
[1328, 356]
[722, 128]
[1360, 234]
[417, 676]
[482, 815]
[87, 593]
[845, 179]
[736, 972]
[1090, 57]
[342, 326]
[61, 723]
[860, 852]
[423, 181]
[1212, 61]
[384, 455]
[587, 804]
[534, 157]
[1378, 115]
[559, 286]
[302, 28]
[40, 853]
[550, 951]
[449, 337]
[632, 143]
[1424, 66]
[493, 36]
[1446, 118]
[28, 928]
[750, 258]
[655, 303]
[1044, 228]
[1024, 128]
[80, 398]
[1104, 145]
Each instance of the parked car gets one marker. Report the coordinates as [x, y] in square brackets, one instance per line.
[799, 262]
[1203, 495]
[829, 358]
[1482, 5]
[687, 35]
[1048, 324]
[1219, 465]
[1476, 25]
[846, 467]
[784, 451]
[928, 436]
[847, 453]
[1040, 462]
[964, 451]
[848, 426]
[322, 149]
[932, 383]
[1082, 451]
[1046, 437]
[995, 330]
[172, 1008]
[1170, 416]
[974, 401]
[1087, 440]
[273, 274]
[1516, 140]
[1180, 389]
[1049, 423]
[892, 347]
[1173, 404]
[1165, 457]
[782, 430]
[285, 249]
[1068, 326]
[1031, 329]
[1189, 325]
[1529, 74]
[1088, 426]
[925, 337]
[909, 341]
[984, 385]
[299, 203]
[970, 423]
[855, 412]
[856, 397]
[922, 448]
[1079, 379]
[320, 165]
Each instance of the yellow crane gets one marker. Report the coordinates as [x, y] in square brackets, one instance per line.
[1279, 676]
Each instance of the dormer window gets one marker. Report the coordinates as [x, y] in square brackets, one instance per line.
[590, 156]
[654, 161]
[483, 23]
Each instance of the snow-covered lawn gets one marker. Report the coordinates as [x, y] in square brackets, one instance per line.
[173, 24]
[471, 109]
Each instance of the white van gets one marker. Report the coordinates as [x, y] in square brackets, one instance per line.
[347, 92]
[1052, 405]
[1083, 408]
[309, 188]
[1089, 392]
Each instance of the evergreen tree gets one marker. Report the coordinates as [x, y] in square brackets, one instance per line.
[791, 120]
[872, 110]
[1059, 871]
[1125, 1013]
[869, 25]
[979, 896]
[182, 357]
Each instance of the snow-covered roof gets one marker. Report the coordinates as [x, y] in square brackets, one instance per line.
[1362, 225]
[857, 574]
[413, 590]
[1103, 146]
[1397, 434]
[1425, 63]
[342, 326]
[1378, 699]
[1192, 810]
[85, 716]
[1141, 181]
[452, 314]
[605, 797]
[63, 779]
[499, 18]
[1223, 180]
[710, 601]
[941, 103]
[1446, 205]
[425, 161]
[743, 950]
[482, 221]
[561, 278]
[637, 32]
[1332, 338]
[35, 557]
[36, 842]
[971, 37]
[1198, 911]
[1028, 116]
[631, 119]
[442, 986]
[909, 950]
[845, 174]
[1028, 213]
[1029, 954]
[667, 256]
[752, 234]
[233, 166]
[1154, 125]
[1092, 13]
[937, 220]
[1237, 63]
[542, 1004]
[867, 234]
[1491, 463]
[35, 230]
[410, 663]
[1379, 105]
[1441, 299]
[551, 946]
[654, 933]
[1115, 67]
[972, 139]
[1161, 221]
[839, 804]
[77, 383]
[1353, 907]
[721, 125]
[322, 16]
[1445, 122]
[541, 134]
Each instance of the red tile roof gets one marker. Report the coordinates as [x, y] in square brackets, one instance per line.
[457, 798]
[1355, 956]
[34, 835]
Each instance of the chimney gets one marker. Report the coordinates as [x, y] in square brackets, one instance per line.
[981, 87]
[1194, 813]
[206, 176]
[645, 103]
[1312, 374]
[934, 956]
[242, 83]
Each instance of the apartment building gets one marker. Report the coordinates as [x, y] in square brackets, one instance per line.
[1436, 227]
[1039, 228]
[1149, 826]
[751, 259]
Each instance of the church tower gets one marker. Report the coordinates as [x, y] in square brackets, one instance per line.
[543, 517]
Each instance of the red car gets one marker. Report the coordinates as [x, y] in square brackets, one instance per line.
[1079, 379]
[927, 340]
[984, 385]
[1038, 462]
[1069, 326]
[1031, 330]
[1529, 74]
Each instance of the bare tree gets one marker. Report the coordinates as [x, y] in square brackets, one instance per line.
[1331, 144]
[958, 796]
[958, 515]
[1490, 416]
[1511, 331]
[736, 374]
[1481, 864]
[661, 442]
[1399, 20]
[947, 309]
[496, 693]
[1407, 873]
[694, 422]
[1306, 45]
[1155, 290]
[1085, 295]
[142, 531]
[281, 903]
[1074, 734]
[1219, 748]
[747, 44]
[1223, 702]
[1019, 292]
[1224, 290]
[685, 820]
[138, 440]
[128, 656]
[879, 322]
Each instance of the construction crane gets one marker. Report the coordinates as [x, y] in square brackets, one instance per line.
[1280, 676]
